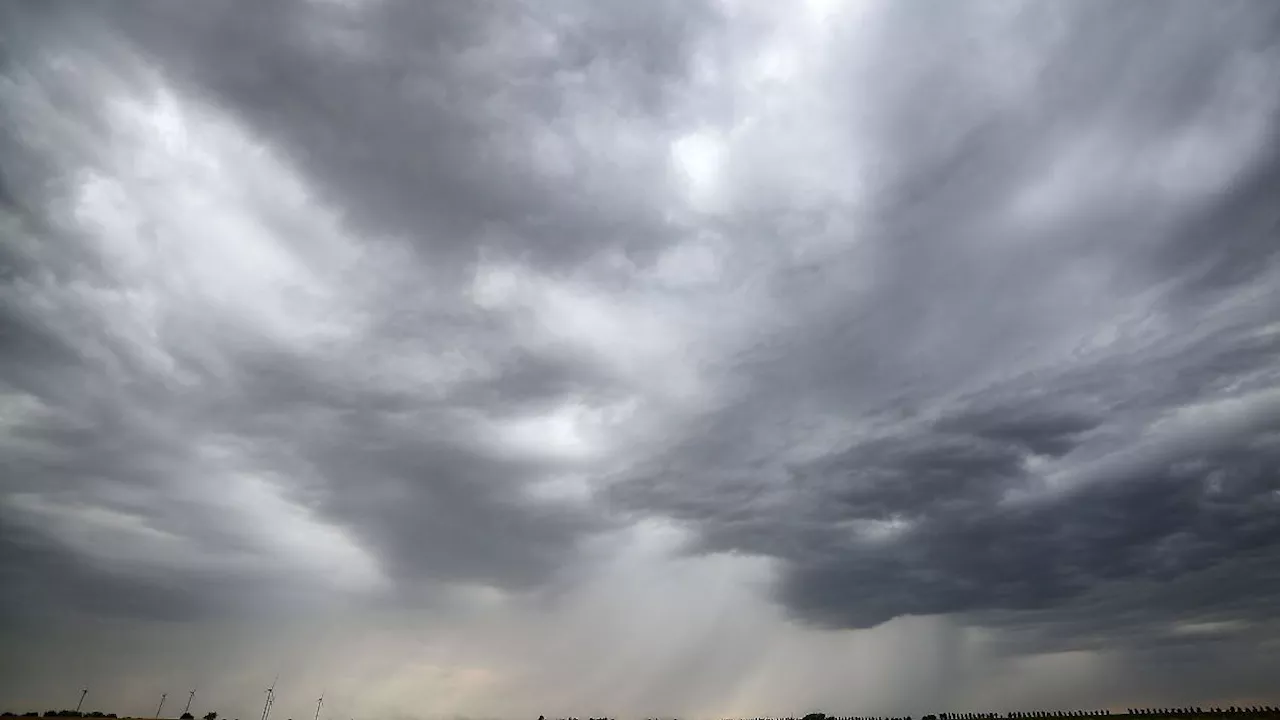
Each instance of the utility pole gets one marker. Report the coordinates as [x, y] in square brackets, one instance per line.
[161, 705]
[82, 694]
[318, 704]
[190, 696]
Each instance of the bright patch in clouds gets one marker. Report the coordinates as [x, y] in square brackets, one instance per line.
[699, 157]
[572, 431]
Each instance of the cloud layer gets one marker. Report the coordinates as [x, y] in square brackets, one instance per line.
[500, 338]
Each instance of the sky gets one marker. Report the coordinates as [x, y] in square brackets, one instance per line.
[679, 358]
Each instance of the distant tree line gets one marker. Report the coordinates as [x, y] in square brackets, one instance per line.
[75, 714]
[1260, 710]
[1255, 712]
[59, 713]
[1028, 714]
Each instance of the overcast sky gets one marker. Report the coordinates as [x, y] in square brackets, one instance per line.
[496, 358]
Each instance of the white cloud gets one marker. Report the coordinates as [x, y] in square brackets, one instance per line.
[699, 157]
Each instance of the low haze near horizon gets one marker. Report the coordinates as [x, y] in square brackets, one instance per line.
[690, 358]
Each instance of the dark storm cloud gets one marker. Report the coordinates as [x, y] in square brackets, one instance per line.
[997, 456]
[453, 124]
[1153, 519]
[415, 117]
[1149, 523]
[1225, 245]
[45, 580]
[1026, 377]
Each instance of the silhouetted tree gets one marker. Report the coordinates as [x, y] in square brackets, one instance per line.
[211, 716]
[187, 716]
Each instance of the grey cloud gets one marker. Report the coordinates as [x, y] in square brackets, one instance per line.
[983, 324]
[965, 364]
[966, 548]
[94, 424]
[442, 510]
[49, 581]
[1043, 432]
[429, 499]
[1232, 241]
[456, 126]
[1158, 527]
